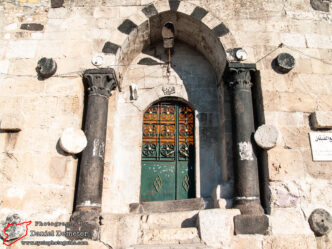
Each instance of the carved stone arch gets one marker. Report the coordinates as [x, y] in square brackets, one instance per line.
[185, 90]
[194, 25]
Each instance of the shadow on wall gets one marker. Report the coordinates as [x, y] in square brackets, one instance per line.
[190, 69]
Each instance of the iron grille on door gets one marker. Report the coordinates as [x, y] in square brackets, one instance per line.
[168, 152]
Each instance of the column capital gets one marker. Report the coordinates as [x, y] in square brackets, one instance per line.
[100, 81]
[238, 74]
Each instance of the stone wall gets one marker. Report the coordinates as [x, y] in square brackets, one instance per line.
[38, 178]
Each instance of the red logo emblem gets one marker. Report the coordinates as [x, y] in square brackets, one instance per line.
[15, 224]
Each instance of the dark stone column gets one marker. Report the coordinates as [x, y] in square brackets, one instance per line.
[90, 183]
[247, 197]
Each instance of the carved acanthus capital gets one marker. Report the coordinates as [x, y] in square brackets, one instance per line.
[238, 75]
[100, 81]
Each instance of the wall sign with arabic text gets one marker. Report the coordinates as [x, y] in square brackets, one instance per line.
[321, 146]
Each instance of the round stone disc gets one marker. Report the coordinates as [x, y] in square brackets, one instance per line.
[266, 136]
[46, 67]
[320, 221]
[73, 140]
[285, 62]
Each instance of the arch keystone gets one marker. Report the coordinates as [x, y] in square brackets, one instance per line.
[162, 6]
[174, 4]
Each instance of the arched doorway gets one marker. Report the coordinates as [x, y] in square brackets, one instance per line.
[168, 152]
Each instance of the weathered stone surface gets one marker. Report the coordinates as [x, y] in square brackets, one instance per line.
[251, 224]
[295, 138]
[320, 5]
[266, 136]
[120, 231]
[293, 40]
[289, 101]
[247, 241]
[11, 122]
[288, 221]
[87, 220]
[36, 35]
[4, 65]
[58, 13]
[324, 242]
[286, 164]
[17, 49]
[320, 222]
[73, 140]
[291, 119]
[319, 41]
[169, 220]
[290, 242]
[216, 226]
[319, 170]
[57, 3]
[322, 120]
[167, 206]
[10, 27]
[170, 236]
[284, 194]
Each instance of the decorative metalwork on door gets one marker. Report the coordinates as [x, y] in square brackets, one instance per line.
[168, 152]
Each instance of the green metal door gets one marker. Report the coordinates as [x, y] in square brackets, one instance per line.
[168, 152]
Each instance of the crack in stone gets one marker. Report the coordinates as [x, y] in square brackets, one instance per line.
[105, 244]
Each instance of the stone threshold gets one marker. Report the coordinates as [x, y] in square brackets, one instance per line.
[169, 206]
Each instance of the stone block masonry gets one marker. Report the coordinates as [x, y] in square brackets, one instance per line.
[322, 120]
[39, 179]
